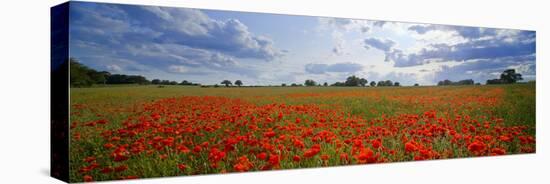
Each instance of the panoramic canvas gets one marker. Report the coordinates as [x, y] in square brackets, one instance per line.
[163, 91]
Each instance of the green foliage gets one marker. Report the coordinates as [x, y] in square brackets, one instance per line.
[310, 82]
[508, 76]
[239, 83]
[227, 83]
[461, 82]
[83, 76]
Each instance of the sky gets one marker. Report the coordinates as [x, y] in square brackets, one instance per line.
[208, 46]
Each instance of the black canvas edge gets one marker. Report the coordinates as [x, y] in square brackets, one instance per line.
[59, 92]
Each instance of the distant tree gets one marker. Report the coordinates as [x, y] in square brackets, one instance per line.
[99, 77]
[283, 84]
[372, 84]
[325, 84]
[310, 82]
[416, 84]
[239, 83]
[186, 83]
[465, 82]
[388, 83]
[155, 81]
[396, 84]
[352, 81]
[363, 82]
[380, 83]
[447, 82]
[494, 81]
[79, 74]
[226, 83]
[294, 84]
[173, 83]
[165, 82]
[510, 76]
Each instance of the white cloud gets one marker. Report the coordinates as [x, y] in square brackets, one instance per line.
[114, 68]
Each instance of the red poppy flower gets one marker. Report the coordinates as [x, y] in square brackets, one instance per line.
[296, 158]
[410, 147]
[262, 156]
[121, 168]
[182, 167]
[88, 178]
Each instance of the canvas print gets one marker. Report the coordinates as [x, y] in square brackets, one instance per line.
[170, 91]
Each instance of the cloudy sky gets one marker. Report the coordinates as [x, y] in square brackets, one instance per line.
[207, 46]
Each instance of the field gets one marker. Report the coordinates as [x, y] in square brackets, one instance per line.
[120, 132]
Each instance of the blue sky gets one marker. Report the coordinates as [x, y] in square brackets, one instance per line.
[208, 46]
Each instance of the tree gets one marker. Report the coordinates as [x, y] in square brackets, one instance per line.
[310, 82]
[79, 74]
[352, 81]
[294, 84]
[372, 84]
[396, 84]
[325, 84]
[363, 82]
[388, 83]
[83, 76]
[173, 83]
[239, 83]
[185, 82]
[155, 81]
[510, 76]
[226, 83]
[461, 82]
[283, 84]
[416, 84]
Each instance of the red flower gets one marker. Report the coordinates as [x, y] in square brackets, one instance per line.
[197, 149]
[183, 149]
[312, 151]
[344, 157]
[243, 164]
[108, 146]
[504, 138]
[365, 154]
[410, 147]
[476, 147]
[498, 151]
[121, 168]
[296, 158]
[88, 178]
[106, 170]
[376, 143]
[262, 156]
[269, 134]
[274, 160]
[182, 167]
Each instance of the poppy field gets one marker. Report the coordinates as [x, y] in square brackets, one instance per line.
[126, 132]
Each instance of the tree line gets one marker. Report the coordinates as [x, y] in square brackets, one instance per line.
[351, 81]
[461, 82]
[83, 76]
[508, 76]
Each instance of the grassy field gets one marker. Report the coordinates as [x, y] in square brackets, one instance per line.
[122, 132]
